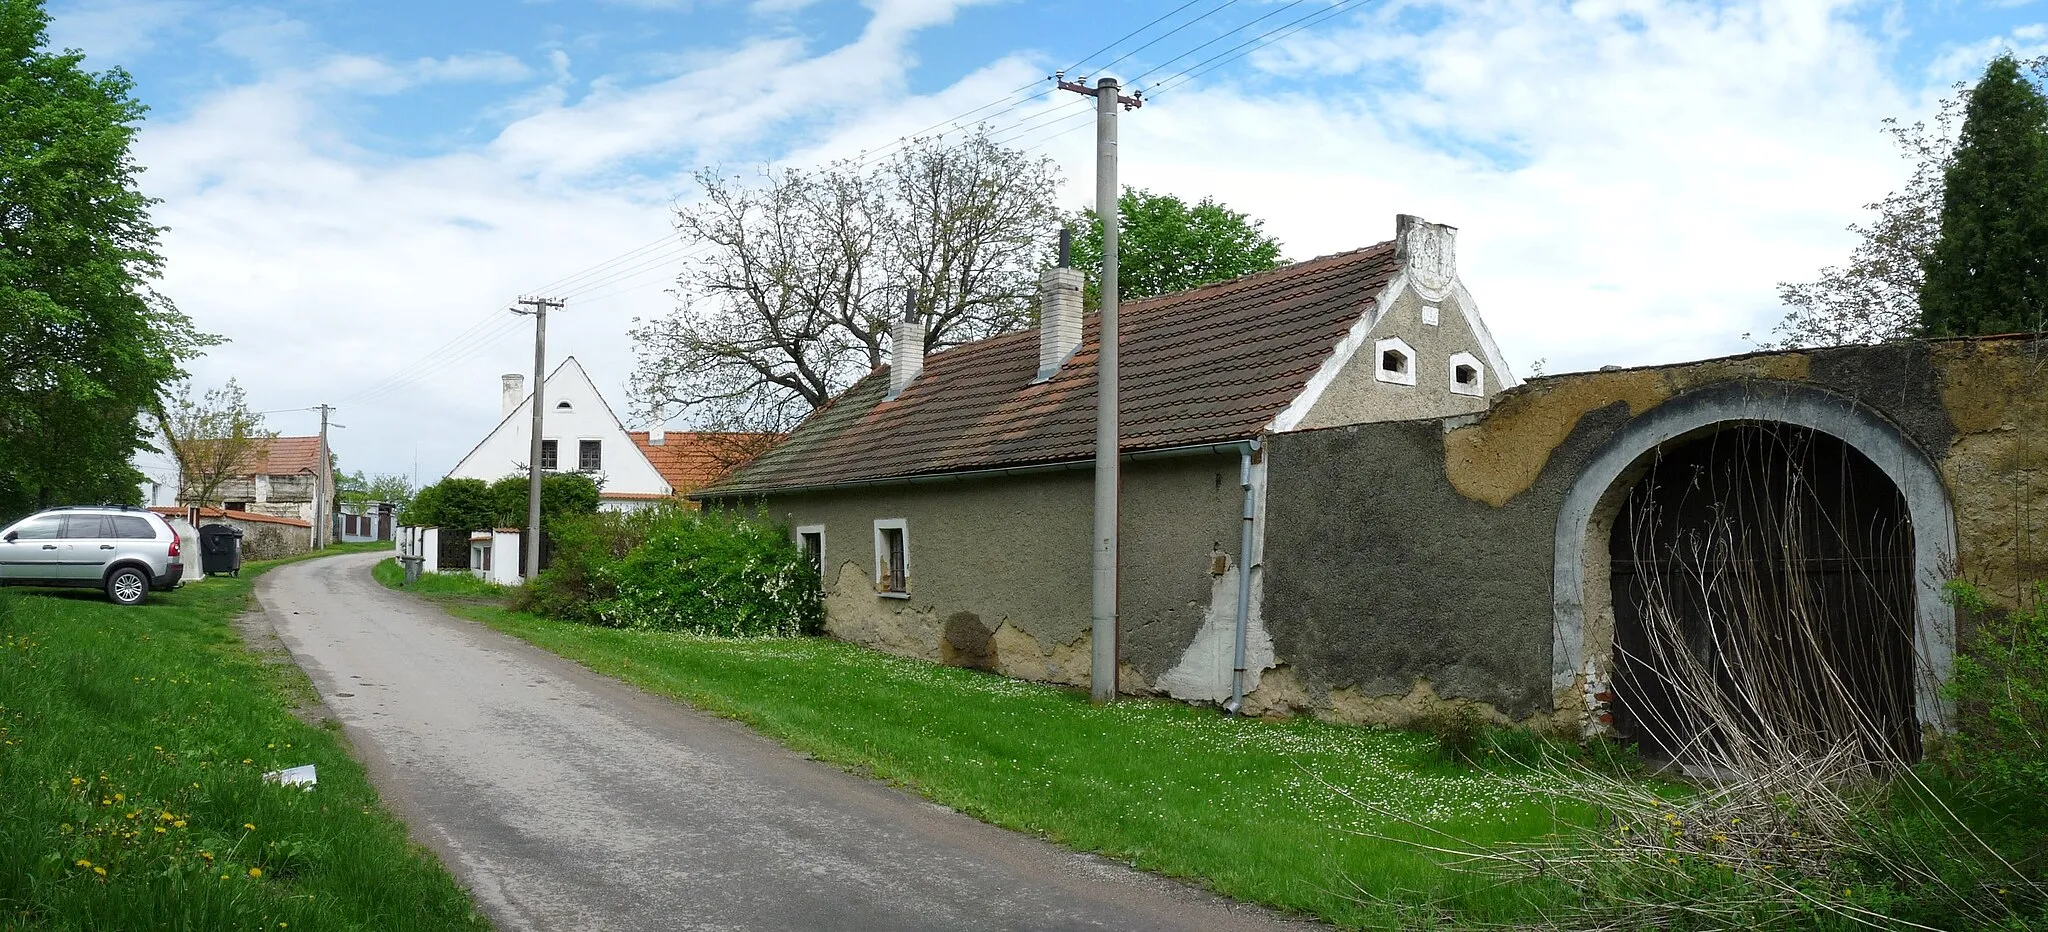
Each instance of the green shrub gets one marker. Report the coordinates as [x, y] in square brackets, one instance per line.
[1459, 731]
[585, 547]
[713, 574]
[2000, 691]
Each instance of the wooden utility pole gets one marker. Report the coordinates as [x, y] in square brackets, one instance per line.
[538, 307]
[1103, 647]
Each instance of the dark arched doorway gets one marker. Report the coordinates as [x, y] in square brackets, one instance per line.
[1763, 596]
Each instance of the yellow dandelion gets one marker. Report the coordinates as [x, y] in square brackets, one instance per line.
[77, 781]
[160, 830]
[120, 798]
[249, 826]
[206, 855]
[100, 871]
[84, 863]
[64, 829]
[166, 816]
[247, 761]
[178, 824]
[255, 872]
[223, 876]
[1848, 892]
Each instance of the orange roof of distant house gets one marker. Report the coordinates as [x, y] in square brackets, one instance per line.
[287, 456]
[252, 516]
[689, 460]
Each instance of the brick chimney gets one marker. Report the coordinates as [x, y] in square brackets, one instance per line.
[906, 349]
[512, 391]
[1059, 311]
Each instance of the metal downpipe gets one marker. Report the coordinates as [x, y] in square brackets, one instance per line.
[1244, 578]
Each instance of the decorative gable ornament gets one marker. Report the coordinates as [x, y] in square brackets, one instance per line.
[1429, 253]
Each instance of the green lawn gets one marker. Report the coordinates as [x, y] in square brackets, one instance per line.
[132, 747]
[1256, 810]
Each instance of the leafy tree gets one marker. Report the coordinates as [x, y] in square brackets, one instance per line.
[453, 504]
[88, 344]
[1165, 244]
[1875, 296]
[561, 493]
[1988, 272]
[382, 487]
[809, 268]
[216, 438]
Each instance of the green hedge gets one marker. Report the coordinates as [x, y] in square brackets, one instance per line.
[674, 569]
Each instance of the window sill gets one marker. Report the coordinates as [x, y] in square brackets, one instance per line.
[893, 595]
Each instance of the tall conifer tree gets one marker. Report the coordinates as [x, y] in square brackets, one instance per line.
[1988, 272]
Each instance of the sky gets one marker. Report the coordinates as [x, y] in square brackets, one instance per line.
[355, 191]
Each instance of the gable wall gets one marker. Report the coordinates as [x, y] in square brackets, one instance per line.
[508, 447]
[1357, 395]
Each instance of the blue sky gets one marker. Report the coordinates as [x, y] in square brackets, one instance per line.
[351, 185]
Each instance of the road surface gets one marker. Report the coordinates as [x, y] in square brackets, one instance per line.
[569, 801]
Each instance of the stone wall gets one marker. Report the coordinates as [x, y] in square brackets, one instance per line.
[1413, 562]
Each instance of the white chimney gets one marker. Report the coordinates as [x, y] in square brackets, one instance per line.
[1059, 318]
[906, 349]
[513, 391]
[657, 432]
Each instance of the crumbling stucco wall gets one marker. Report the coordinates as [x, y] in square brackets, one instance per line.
[1411, 564]
[1000, 566]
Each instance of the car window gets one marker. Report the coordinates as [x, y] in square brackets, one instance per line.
[134, 528]
[85, 527]
[39, 529]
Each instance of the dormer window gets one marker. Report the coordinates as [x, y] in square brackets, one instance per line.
[1396, 361]
[1468, 375]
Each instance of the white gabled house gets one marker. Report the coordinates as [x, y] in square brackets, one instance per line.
[579, 433]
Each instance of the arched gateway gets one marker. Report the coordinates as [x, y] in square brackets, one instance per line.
[1687, 466]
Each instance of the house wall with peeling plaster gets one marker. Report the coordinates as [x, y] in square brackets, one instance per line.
[1000, 569]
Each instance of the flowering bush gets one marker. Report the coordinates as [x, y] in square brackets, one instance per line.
[584, 547]
[712, 574]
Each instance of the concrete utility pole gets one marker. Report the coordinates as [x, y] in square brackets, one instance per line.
[539, 308]
[324, 491]
[1104, 653]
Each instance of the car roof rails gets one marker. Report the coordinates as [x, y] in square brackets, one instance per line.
[95, 508]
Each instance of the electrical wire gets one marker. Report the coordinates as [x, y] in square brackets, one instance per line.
[1255, 43]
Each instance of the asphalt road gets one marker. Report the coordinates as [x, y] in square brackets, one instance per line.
[566, 800]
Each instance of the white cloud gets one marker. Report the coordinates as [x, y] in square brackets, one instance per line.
[1631, 177]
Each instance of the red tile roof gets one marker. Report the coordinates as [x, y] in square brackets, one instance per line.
[287, 456]
[257, 517]
[1209, 365]
[690, 460]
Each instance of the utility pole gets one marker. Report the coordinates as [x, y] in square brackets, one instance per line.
[325, 491]
[1103, 647]
[538, 307]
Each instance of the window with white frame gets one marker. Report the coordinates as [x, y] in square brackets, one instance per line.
[1468, 375]
[811, 540]
[892, 558]
[1394, 361]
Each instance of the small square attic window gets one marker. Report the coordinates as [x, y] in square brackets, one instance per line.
[1468, 375]
[1395, 361]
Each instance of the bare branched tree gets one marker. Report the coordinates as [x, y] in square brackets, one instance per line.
[808, 268]
[216, 438]
[1875, 296]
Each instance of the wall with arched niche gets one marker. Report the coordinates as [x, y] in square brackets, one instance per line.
[1417, 563]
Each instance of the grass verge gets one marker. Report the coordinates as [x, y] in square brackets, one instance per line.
[1261, 811]
[132, 747]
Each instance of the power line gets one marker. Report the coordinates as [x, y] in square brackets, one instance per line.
[1247, 25]
[1225, 5]
[1255, 43]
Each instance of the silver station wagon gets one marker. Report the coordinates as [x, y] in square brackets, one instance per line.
[122, 551]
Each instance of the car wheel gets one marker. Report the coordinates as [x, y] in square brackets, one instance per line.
[127, 586]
